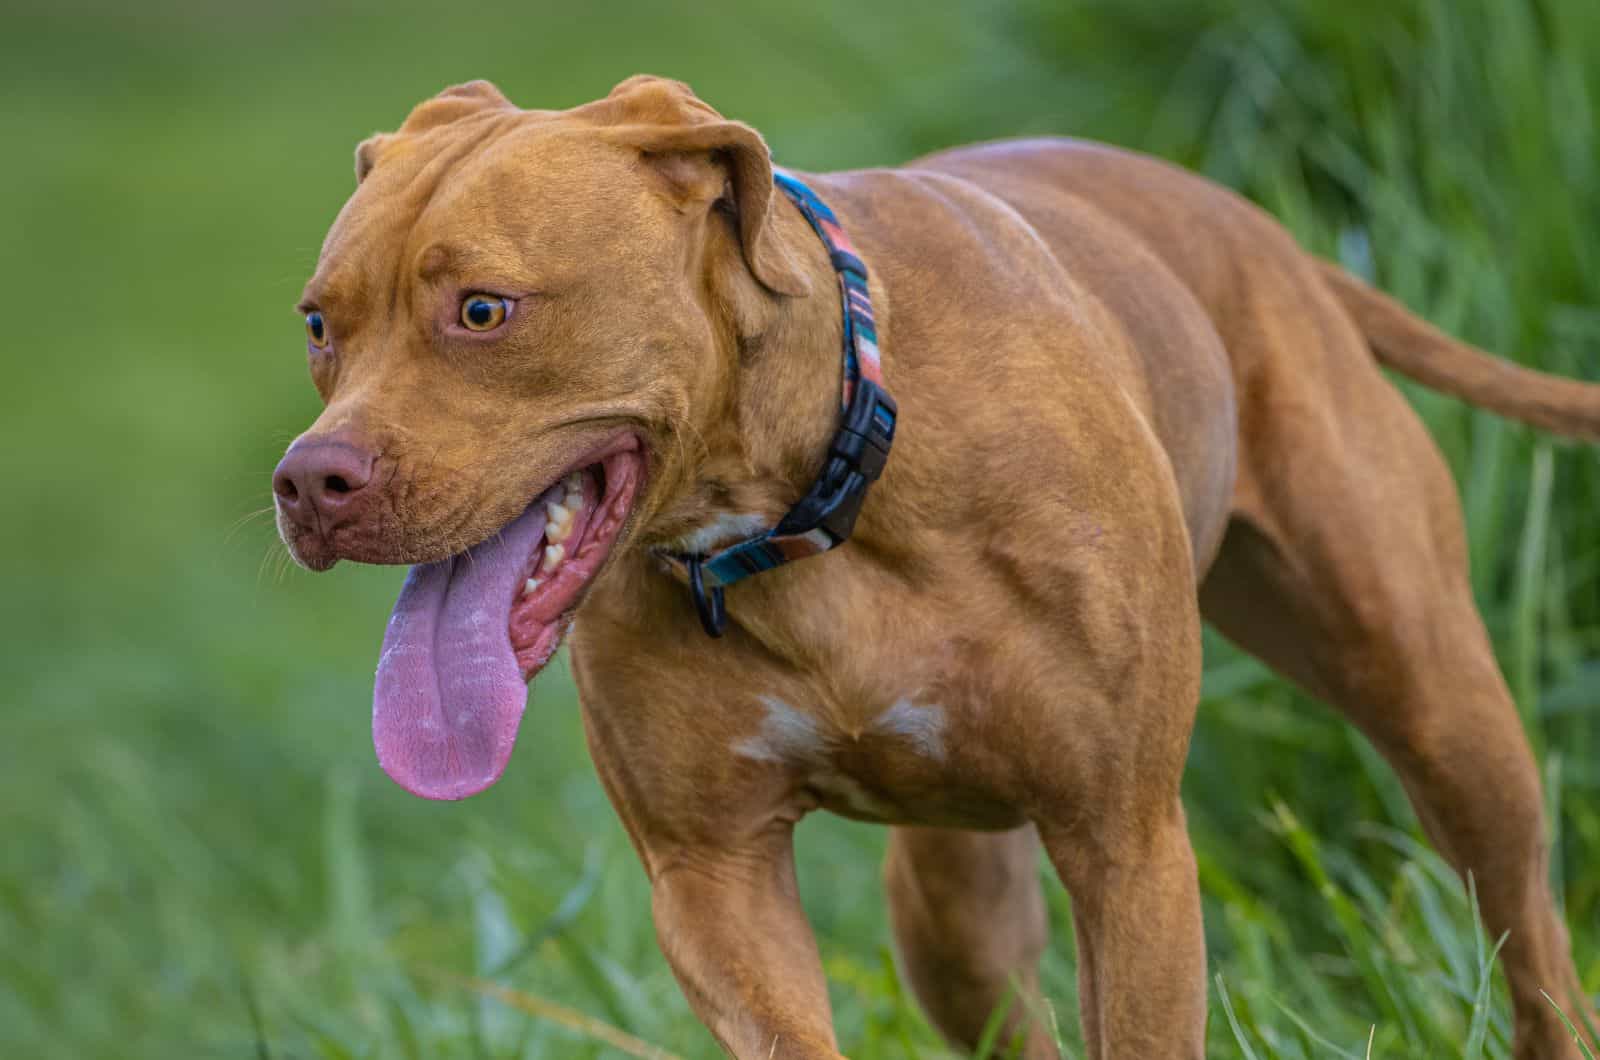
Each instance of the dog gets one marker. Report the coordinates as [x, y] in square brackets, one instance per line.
[569, 356]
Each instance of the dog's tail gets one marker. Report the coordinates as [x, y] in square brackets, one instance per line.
[1422, 352]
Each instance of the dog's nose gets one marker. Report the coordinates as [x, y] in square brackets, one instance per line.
[320, 483]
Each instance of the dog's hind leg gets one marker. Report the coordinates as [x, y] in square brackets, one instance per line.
[1345, 568]
[970, 926]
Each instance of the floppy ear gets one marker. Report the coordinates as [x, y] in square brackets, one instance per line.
[367, 152]
[703, 157]
[453, 104]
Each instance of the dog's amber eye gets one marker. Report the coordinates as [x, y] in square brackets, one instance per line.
[483, 312]
[316, 330]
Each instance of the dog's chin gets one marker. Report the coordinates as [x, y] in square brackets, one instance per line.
[470, 630]
[307, 548]
[362, 543]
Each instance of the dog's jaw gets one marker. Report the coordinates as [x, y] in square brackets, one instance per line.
[580, 530]
[470, 631]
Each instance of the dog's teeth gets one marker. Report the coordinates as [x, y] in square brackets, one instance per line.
[553, 555]
[559, 524]
[574, 483]
[530, 586]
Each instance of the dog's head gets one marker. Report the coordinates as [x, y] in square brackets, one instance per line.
[518, 325]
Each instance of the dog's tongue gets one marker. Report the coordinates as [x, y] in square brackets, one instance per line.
[449, 694]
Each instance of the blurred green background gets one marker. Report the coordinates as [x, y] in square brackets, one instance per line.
[200, 856]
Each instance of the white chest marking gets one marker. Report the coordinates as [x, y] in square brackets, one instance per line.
[724, 530]
[793, 737]
[920, 725]
[786, 735]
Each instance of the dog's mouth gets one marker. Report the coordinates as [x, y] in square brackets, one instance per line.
[469, 632]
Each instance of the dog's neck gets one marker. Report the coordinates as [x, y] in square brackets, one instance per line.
[773, 403]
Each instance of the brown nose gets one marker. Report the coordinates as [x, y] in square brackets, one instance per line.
[320, 484]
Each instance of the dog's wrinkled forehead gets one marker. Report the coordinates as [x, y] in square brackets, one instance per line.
[462, 101]
[469, 165]
[640, 100]
[471, 180]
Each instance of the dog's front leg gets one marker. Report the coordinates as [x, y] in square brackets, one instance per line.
[730, 922]
[714, 831]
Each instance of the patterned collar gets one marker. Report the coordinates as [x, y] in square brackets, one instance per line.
[823, 518]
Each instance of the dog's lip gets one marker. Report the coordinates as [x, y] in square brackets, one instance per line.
[537, 621]
[622, 441]
[619, 441]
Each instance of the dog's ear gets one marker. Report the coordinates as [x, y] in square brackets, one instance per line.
[453, 104]
[368, 152]
[704, 158]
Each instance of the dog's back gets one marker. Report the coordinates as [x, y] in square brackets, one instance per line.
[1235, 258]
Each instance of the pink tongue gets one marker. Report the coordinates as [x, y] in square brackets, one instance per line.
[449, 694]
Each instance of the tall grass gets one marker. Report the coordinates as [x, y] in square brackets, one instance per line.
[200, 857]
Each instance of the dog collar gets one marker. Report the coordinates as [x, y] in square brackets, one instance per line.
[823, 518]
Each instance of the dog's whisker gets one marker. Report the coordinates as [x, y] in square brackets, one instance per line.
[270, 556]
[245, 520]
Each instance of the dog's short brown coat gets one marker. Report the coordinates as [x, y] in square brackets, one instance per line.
[1128, 400]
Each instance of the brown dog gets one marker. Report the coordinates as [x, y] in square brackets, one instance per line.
[1128, 400]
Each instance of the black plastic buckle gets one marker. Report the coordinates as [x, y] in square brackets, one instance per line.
[713, 614]
[856, 457]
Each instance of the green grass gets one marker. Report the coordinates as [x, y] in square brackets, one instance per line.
[200, 856]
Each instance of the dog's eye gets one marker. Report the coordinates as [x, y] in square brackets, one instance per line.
[483, 312]
[316, 330]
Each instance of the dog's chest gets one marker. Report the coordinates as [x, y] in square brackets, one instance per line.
[901, 763]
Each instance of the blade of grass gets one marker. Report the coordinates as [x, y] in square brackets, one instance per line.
[994, 1025]
[1307, 1030]
[1233, 1020]
[579, 1022]
[1567, 1023]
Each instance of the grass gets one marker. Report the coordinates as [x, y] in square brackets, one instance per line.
[200, 856]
